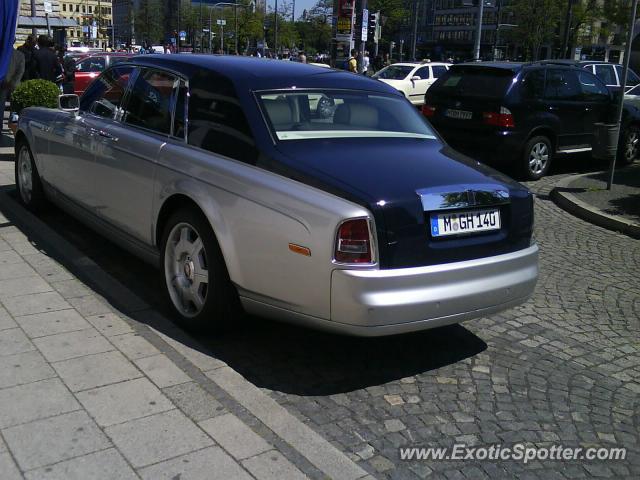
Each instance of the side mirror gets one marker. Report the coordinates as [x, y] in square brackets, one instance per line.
[69, 102]
[415, 77]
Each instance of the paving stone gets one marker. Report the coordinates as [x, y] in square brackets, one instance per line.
[25, 403]
[14, 341]
[208, 464]
[68, 345]
[124, 401]
[89, 305]
[104, 465]
[158, 437]
[24, 368]
[36, 303]
[91, 371]
[16, 270]
[52, 440]
[272, 466]
[109, 324]
[71, 288]
[51, 323]
[234, 436]
[48, 268]
[8, 468]
[394, 425]
[6, 321]
[3, 446]
[9, 257]
[203, 361]
[162, 371]
[134, 346]
[16, 287]
[194, 401]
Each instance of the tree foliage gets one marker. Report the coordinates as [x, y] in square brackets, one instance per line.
[149, 21]
[538, 21]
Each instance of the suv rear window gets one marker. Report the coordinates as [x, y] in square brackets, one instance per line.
[472, 81]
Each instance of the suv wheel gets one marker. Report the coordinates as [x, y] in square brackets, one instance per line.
[628, 147]
[537, 156]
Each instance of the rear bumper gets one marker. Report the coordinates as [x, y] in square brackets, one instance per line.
[387, 302]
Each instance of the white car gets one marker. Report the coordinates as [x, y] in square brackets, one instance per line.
[412, 79]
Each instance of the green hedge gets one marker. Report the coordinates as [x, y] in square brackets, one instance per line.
[35, 93]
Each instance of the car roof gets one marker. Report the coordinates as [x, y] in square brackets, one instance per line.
[263, 74]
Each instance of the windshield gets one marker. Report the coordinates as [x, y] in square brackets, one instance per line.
[394, 72]
[301, 115]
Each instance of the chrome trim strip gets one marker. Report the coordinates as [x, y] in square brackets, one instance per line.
[454, 197]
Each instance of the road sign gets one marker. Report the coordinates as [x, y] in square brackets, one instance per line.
[48, 7]
[221, 22]
[183, 35]
[365, 24]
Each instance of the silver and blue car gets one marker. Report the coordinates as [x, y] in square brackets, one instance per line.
[287, 190]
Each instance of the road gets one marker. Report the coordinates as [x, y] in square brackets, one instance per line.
[564, 368]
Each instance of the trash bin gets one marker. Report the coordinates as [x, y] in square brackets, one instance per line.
[605, 141]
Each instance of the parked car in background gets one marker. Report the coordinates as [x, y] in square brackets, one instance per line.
[301, 193]
[88, 68]
[412, 79]
[609, 73]
[525, 113]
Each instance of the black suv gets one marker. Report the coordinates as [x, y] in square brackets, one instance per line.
[523, 112]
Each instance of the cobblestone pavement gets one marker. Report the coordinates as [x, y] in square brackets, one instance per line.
[562, 369]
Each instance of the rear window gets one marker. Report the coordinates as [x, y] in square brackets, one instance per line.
[475, 81]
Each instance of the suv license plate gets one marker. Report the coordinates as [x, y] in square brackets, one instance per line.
[444, 224]
[459, 114]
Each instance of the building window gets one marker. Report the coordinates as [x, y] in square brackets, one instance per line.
[64, 7]
[90, 8]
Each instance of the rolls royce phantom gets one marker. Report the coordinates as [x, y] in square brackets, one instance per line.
[287, 190]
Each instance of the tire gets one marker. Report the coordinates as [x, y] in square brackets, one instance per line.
[629, 145]
[196, 279]
[536, 158]
[27, 178]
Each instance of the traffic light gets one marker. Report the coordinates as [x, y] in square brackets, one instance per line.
[374, 26]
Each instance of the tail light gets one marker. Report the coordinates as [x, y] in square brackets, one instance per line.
[353, 242]
[503, 118]
[428, 110]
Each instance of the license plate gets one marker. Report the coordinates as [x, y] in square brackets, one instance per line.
[444, 224]
[459, 114]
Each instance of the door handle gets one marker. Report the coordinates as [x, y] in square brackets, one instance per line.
[551, 107]
[102, 133]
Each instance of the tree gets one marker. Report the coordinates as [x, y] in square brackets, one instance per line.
[538, 21]
[149, 21]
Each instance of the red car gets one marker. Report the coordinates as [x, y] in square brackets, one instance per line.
[90, 67]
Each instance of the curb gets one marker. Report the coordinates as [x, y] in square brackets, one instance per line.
[583, 210]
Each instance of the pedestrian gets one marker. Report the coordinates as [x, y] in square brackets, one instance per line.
[46, 62]
[68, 70]
[302, 58]
[387, 60]
[10, 81]
[352, 64]
[28, 49]
[365, 63]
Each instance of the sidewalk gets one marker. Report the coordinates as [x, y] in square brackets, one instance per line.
[617, 209]
[94, 387]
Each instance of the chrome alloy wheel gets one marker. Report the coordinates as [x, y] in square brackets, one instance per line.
[631, 146]
[25, 175]
[538, 158]
[186, 269]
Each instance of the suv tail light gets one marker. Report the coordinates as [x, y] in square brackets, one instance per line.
[503, 118]
[428, 110]
[353, 242]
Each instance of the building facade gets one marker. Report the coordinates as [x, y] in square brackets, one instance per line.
[95, 22]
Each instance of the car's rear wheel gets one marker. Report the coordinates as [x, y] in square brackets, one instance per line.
[629, 145]
[27, 179]
[536, 159]
[195, 275]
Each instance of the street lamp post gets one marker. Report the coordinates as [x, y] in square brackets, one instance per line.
[476, 48]
[235, 9]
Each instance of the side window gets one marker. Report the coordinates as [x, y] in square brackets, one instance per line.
[606, 74]
[149, 104]
[104, 96]
[178, 118]
[423, 73]
[632, 78]
[91, 64]
[593, 90]
[562, 85]
[216, 120]
[533, 85]
[439, 70]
